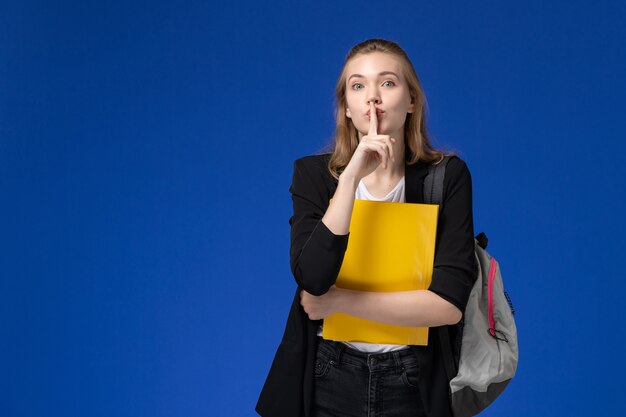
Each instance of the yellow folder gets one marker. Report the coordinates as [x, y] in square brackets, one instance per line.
[391, 248]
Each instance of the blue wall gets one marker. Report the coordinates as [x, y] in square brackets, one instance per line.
[145, 271]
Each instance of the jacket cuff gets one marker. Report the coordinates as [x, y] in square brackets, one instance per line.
[328, 240]
[450, 288]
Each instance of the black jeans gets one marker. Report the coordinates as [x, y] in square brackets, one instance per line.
[350, 383]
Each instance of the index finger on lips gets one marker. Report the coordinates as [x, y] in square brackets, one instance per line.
[373, 120]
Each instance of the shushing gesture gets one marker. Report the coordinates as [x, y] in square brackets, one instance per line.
[373, 150]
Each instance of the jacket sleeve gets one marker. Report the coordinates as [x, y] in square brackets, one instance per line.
[454, 271]
[316, 253]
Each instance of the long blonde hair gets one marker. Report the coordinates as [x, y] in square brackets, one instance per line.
[417, 142]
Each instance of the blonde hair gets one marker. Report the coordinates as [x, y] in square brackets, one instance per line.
[417, 143]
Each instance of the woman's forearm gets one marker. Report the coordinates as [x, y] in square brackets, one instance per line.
[339, 212]
[417, 308]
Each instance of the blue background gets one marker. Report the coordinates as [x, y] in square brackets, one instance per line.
[146, 152]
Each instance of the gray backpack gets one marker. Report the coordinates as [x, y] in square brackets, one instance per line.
[482, 359]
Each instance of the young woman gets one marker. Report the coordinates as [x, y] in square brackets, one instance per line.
[381, 152]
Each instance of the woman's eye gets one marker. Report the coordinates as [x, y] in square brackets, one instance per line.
[358, 86]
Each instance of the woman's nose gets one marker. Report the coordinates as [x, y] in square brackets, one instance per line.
[373, 94]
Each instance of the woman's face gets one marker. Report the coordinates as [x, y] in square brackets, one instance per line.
[377, 77]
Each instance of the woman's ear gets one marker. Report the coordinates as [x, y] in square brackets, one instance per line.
[348, 115]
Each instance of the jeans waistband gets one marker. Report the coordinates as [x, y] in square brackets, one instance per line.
[340, 353]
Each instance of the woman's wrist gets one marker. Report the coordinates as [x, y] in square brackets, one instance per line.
[349, 180]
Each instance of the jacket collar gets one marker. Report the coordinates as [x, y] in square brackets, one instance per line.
[414, 175]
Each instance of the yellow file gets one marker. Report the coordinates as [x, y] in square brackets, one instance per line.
[391, 248]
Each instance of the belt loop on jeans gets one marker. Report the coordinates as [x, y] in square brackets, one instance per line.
[396, 360]
[340, 348]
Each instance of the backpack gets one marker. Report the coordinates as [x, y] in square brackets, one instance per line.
[482, 358]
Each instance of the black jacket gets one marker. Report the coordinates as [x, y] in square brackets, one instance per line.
[316, 257]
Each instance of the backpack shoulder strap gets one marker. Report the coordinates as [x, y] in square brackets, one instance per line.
[433, 183]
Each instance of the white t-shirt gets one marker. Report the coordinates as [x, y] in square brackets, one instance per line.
[396, 195]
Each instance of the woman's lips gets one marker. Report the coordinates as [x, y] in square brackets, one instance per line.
[378, 113]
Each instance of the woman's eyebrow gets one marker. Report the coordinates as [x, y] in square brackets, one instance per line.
[379, 74]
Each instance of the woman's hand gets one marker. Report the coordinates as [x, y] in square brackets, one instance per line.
[372, 151]
[320, 307]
